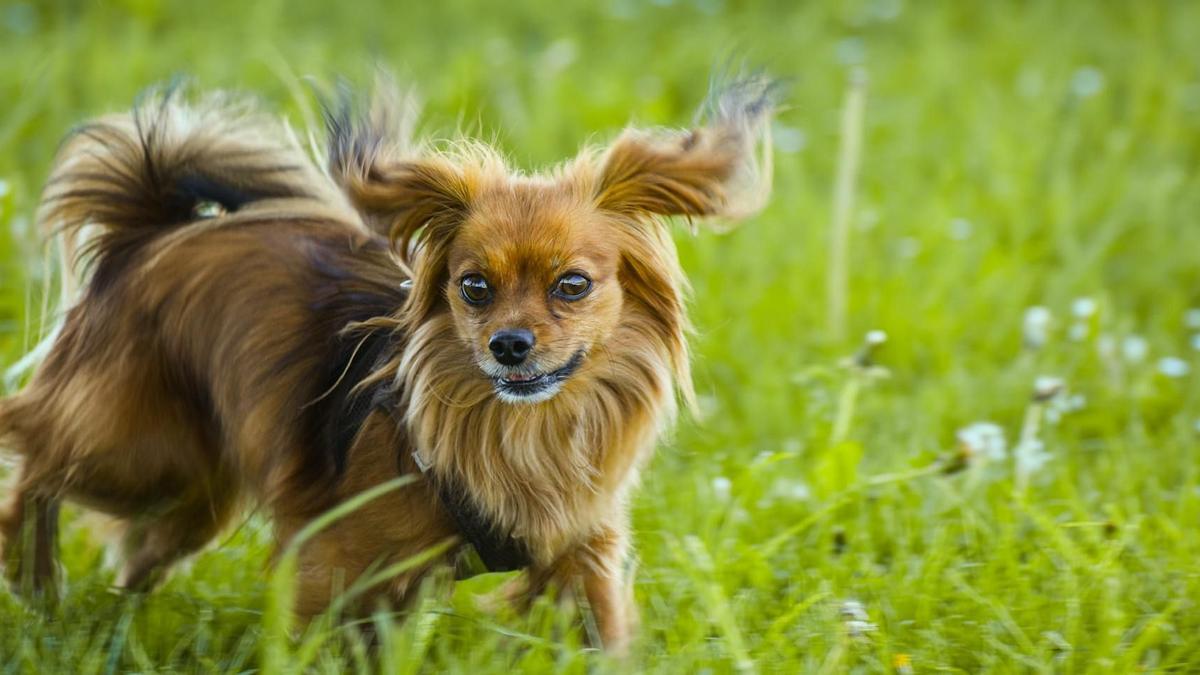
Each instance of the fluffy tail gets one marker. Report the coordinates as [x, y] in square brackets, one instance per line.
[122, 180]
[165, 165]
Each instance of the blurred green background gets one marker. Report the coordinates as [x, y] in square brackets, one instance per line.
[814, 517]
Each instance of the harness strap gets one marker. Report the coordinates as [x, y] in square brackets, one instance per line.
[499, 551]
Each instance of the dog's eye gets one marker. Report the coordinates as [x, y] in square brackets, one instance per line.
[475, 289]
[572, 286]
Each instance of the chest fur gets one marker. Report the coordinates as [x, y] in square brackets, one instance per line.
[548, 474]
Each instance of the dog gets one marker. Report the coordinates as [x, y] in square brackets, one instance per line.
[258, 327]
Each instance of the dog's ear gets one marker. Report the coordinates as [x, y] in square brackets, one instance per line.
[720, 168]
[402, 191]
[410, 202]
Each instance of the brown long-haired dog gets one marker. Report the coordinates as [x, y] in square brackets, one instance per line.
[254, 328]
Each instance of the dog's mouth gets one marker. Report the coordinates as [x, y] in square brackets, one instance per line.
[533, 387]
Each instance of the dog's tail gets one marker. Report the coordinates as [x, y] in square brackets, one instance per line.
[122, 180]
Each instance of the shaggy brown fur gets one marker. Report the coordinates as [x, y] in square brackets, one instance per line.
[216, 353]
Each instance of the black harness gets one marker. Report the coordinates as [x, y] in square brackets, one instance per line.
[499, 552]
[497, 549]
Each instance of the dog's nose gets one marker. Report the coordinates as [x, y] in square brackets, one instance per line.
[510, 347]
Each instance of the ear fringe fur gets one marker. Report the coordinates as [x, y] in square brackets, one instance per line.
[719, 169]
[403, 189]
[740, 111]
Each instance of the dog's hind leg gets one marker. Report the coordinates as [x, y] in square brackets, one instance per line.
[153, 545]
[29, 516]
[29, 538]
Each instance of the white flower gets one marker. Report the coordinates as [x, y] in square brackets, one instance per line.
[853, 609]
[1196, 342]
[793, 490]
[1064, 405]
[1079, 332]
[1031, 456]
[908, 247]
[1087, 81]
[855, 619]
[860, 629]
[1083, 308]
[983, 439]
[961, 228]
[1173, 366]
[722, 487]
[1036, 327]
[786, 490]
[1046, 387]
[1192, 318]
[864, 359]
[1134, 348]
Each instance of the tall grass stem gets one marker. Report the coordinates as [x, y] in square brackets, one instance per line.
[844, 189]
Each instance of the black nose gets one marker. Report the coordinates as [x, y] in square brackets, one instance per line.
[510, 347]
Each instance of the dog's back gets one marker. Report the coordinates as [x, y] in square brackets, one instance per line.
[205, 351]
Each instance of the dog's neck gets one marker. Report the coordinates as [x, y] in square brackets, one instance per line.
[546, 473]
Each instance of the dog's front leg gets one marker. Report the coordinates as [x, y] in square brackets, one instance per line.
[596, 571]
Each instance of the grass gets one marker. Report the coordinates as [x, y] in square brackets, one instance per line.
[1013, 155]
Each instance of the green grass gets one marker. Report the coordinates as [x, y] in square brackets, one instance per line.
[1014, 155]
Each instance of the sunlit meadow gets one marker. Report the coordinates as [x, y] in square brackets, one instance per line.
[987, 464]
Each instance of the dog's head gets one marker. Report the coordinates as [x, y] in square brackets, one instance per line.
[532, 279]
[541, 273]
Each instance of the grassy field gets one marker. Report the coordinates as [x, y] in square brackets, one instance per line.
[817, 516]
